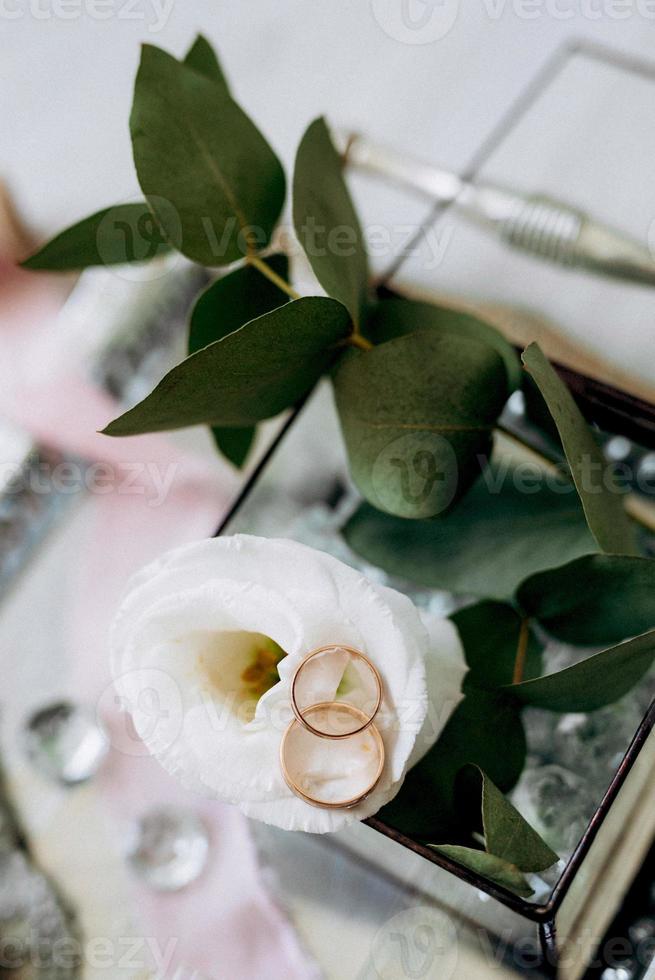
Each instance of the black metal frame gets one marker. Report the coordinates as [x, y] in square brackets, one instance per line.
[612, 409]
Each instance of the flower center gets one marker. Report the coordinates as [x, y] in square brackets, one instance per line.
[240, 666]
[262, 674]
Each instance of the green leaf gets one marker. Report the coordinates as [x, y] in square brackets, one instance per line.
[512, 847]
[594, 682]
[202, 58]
[326, 223]
[234, 444]
[233, 300]
[208, 173]
[593, 600]
[489, 632]
[603, 507]
[396, 317]
[485, 729]
[489, 866]
[485, 545]
[507, 834]
[225, 306]
[113, 236]
[536, 412]
[252, 374]
[126, 232]
[416, 414]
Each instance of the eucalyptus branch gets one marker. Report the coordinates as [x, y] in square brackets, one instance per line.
[521, 651]
[265, 269]
[356, 340]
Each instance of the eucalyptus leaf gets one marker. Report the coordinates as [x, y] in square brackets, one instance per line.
[233, 300]
[208, 173]
[489, 632]
[235, 443]
[326, 223]
[485, 729]
[254, 373]
[417, 414]
[536, 412]
[391, 318]
[592, 683]
[593, 600]
[225, 306]
[202, 57]
[603, 506]
[489, 866]
[484, 546]
[512, 847]
[506, 833]
[114, 236]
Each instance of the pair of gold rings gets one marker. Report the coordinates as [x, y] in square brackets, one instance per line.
[336, 692]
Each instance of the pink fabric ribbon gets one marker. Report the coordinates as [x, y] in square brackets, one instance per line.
[150, 497]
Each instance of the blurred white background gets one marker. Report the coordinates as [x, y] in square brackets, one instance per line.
[430, 75]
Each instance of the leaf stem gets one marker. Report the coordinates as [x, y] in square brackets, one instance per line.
[270, 274]
[521, 651]
[356, 340]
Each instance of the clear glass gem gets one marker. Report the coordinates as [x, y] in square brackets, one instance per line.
[623, 972]
[646, 471]
[65, 742]
[617, 448]
[169, 848]
[642, 930]
[554, 801]
[516, 403]
[593, 744]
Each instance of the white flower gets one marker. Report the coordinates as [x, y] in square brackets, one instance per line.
[195, 649]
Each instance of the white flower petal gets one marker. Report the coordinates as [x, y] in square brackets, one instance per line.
[187, 627]
[446, 669]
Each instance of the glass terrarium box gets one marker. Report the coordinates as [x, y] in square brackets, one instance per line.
[587, 786]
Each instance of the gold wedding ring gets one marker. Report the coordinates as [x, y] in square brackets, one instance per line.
[305, 778]
[336, 693]
[349, 667]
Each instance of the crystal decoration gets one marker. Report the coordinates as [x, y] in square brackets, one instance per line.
[169, 848]
[642, 930]
[554, 800]
[65, 742]
[618, 973]
[617, 449]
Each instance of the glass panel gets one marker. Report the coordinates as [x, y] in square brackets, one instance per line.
[588, 141]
